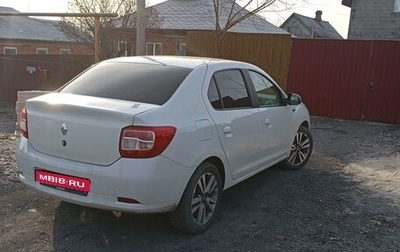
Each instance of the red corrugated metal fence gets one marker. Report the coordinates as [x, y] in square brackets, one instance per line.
[347, 79]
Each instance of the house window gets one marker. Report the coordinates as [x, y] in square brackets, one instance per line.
[182, 49]
[42, 51]
[396, 5]
[122, 48]
[153, 48]
[65, 51]
[10, 50]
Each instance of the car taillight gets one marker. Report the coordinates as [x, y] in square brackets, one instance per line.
[23, 123]
[144, 142]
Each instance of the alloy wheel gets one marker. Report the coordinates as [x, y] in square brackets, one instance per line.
[204, 198]
[300, 149]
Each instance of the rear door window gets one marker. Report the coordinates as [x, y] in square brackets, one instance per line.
[146, 83]
[213, 95]
[230, 88]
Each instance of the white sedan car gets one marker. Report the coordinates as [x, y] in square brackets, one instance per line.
[160, 134]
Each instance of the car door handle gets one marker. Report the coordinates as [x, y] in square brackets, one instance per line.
[267, 122]
[227, 130]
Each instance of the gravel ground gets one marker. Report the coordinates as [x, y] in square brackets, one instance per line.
[8, 171]
[347, 198]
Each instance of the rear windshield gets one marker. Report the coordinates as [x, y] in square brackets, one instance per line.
[146, 83]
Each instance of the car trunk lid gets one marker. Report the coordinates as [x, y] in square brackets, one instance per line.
[80, 128]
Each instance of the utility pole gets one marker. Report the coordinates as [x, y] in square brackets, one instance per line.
[140, 28]
[97, 48]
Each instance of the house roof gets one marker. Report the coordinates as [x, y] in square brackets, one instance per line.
[199, 15]
[321, 29]
[27, 28]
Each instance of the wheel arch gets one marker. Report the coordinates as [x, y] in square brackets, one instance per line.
[220, 166]
[305, 124]
[186, 216]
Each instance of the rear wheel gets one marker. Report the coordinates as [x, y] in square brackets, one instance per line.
[199, 202]
[301, 150]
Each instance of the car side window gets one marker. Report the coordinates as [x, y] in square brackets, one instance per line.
[213, 95]
[229, 86]
[268, 95]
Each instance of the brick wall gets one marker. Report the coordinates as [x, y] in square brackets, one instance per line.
[170, 40]
[53, 48]
[170, 44]
[372, 19]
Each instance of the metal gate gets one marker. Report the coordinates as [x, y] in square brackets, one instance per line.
[37, 72]
[382, 98]
[347, 79]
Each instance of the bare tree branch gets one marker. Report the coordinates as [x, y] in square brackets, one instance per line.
[236, 13]
[229, 13]
[82, 29]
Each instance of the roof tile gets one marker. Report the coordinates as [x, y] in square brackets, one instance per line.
[199, 15]
[322, 29]
[27, 28]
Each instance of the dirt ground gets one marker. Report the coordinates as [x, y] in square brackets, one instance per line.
[347, 198]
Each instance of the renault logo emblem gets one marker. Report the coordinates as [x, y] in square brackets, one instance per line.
[64, 129]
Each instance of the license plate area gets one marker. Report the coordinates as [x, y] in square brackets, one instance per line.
[63, 182]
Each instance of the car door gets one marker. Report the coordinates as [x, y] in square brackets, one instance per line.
[275, 114]
[238, 122]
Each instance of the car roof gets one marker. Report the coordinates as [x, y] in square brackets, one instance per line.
[178, 61]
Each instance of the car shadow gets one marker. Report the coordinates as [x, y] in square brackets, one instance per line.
[279, 210]
[318, 208]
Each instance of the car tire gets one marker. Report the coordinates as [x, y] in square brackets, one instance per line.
[200, 201]
[300, 151]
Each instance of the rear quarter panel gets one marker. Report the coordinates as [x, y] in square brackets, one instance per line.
[196, 138]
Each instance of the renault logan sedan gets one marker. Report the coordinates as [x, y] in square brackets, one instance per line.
[160, 134]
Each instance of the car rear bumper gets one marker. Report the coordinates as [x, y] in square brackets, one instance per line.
[156, 183]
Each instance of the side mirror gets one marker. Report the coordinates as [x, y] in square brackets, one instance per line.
[293, 99]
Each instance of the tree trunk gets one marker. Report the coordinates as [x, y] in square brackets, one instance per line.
[218, 41]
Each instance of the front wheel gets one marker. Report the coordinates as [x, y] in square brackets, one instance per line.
[199, 202]
[300, 151]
